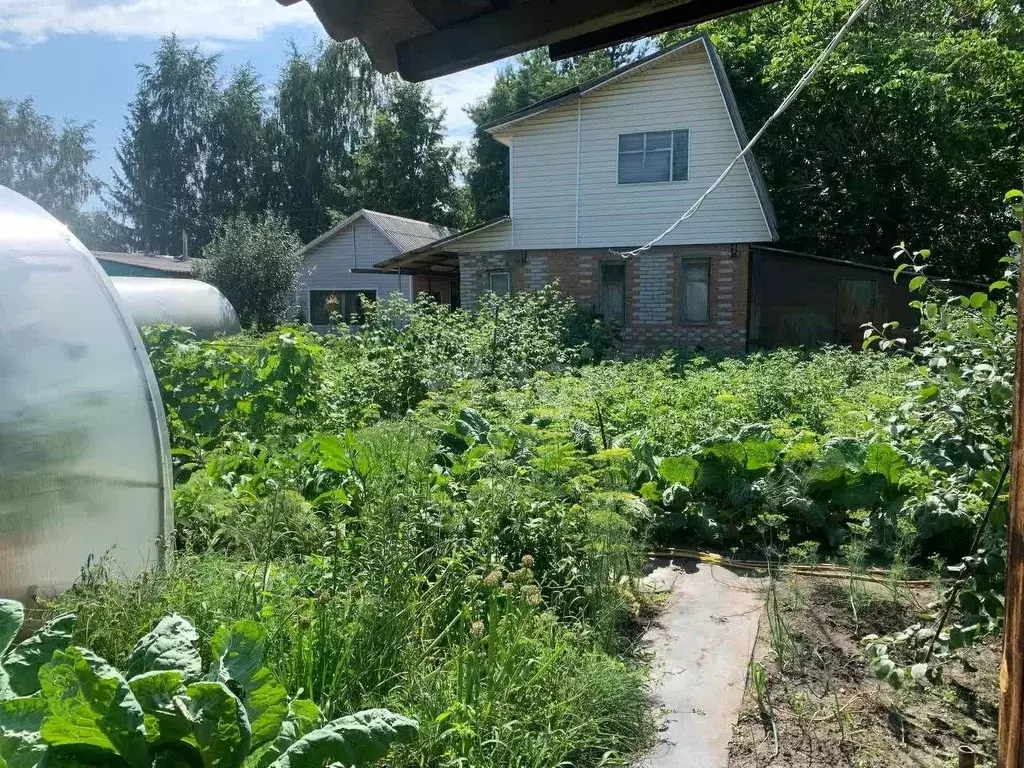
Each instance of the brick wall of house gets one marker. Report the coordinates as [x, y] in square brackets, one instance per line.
[653, 284]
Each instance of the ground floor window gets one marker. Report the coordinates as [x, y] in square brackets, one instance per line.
[499, 283]
[613, 292]
[696, 279]
[323, 305]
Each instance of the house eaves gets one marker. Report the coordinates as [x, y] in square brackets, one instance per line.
[580, 90]
[420, 257]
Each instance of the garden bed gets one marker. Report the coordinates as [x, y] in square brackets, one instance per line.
[823, 707]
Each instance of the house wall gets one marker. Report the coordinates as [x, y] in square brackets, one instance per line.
[552, 208]
[801, 301]
[358, 246]
[445, 289]
[653, 285]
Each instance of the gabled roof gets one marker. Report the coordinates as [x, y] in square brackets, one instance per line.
[405, 234]
[578, 91]
[422, 258]
[148, 261]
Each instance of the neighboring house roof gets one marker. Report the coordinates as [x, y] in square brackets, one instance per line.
[421, 258]
[405, 234]
[578, 91]
[147, 261]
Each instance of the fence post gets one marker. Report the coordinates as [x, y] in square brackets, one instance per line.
[1011, 671]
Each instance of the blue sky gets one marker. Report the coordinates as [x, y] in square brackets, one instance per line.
[77, 58]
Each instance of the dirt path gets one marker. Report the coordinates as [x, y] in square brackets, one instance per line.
[701, 643]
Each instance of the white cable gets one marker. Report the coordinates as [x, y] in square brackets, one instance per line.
[797, 90]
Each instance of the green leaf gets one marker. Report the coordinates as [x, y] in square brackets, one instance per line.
[999, 285]
[25, 659]
[678, 469]
[220, 725]
[927, 393]
[91, 705]
[919, 673]
[303, 717]
[916, 283]
[886, 461]
[353, 741]
[12, 616]
[21, 744]
[170, 646]
[978, 299]
[237, 652]
[158, 693]
[1013, 194]
[650, 492]
[899, 270]
[266, 705]
[238, 658]
[762, 454]
[1015, 236]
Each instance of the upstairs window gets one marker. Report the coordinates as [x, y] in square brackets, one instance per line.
[654, 156]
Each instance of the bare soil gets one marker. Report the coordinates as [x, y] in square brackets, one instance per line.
[827, 709]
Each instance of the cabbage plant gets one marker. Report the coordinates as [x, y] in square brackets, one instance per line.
[61, 705]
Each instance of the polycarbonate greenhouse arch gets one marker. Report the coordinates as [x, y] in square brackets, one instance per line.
[85, 471]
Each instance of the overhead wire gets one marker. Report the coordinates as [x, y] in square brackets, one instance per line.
[801, 84]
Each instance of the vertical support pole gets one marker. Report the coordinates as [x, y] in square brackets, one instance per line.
[1011, 672]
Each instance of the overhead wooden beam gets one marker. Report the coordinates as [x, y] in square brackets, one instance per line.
[685, 15]
[510, 30]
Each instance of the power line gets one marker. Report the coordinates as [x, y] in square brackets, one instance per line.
[802, 83]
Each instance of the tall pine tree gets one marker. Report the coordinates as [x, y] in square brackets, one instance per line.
[324, 110]
[163, 149]
[406, 168]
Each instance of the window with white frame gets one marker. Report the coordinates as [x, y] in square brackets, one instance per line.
[499, 283]
[696, 281]
[326, 305]
[654, 156]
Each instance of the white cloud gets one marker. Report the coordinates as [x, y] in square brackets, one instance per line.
[457, 91]
[26, 22]
[215, 25]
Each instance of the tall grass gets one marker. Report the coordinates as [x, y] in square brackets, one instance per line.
[496, 620]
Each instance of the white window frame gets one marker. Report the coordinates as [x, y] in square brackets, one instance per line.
[311, 291]
[671, 160]
[683, 263]
[490, 281]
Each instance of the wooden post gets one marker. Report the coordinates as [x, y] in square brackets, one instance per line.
[1011, 672]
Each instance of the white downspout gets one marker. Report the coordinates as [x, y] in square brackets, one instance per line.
[511, 189]
[579, 111]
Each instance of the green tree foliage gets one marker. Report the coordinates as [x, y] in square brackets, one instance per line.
[911, 131]
[406, 168]
[255, 264]
[163, 149]
[324, 110]
[99, 231]
[238, 163]
[532, 77]
[46, 164]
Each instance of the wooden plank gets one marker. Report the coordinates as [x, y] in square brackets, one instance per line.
[1011, 672]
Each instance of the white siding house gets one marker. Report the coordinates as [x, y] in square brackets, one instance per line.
[342, 262]
[607, 166]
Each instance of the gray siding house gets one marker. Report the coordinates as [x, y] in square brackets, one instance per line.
[340, 265]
